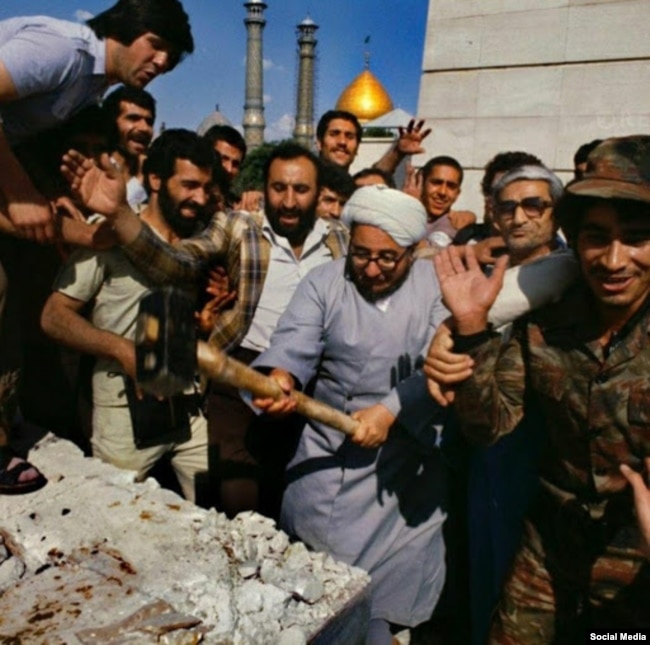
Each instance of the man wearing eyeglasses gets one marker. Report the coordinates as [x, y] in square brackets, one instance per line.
[503, 478]
[523, 212]
[355, 331]
[580, 367]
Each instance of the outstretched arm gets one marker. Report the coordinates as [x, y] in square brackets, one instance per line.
[26, 208]
[29, 212]
[409, 142]
[61, 320]
[102, 190]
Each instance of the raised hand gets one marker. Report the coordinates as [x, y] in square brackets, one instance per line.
[207, 317]
[101, 188]
[411, 137]
[250, 201]
[467, 292]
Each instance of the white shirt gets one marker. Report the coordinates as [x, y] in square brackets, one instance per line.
[284, 273]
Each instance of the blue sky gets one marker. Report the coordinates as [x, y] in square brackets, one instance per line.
[215, 72]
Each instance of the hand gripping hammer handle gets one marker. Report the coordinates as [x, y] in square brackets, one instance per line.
[219, 366]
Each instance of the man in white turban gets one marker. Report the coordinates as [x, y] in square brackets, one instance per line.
[354, 332]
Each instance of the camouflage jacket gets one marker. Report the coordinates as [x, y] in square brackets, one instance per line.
[595, 403]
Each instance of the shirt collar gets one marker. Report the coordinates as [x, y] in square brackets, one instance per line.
[321, 229]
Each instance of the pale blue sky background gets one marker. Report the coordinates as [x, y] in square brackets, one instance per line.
[215, 72]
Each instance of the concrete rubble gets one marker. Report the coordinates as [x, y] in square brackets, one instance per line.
[96, 558]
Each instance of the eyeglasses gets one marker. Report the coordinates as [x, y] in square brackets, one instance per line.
[386, 260]
[533, 207]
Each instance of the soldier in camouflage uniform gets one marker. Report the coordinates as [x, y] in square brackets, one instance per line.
[582, 366]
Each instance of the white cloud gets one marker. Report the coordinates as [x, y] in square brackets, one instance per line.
[81, 15]
[267, 65]
[267, 99]
[280, 129]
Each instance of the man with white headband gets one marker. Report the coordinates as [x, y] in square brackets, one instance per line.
[355, 331]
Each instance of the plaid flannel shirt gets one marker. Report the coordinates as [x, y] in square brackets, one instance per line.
[234, 240]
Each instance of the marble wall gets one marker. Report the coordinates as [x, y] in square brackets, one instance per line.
[540, 75]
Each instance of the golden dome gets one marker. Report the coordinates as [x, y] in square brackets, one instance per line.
[365, 97]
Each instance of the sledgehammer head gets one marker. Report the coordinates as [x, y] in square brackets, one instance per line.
[165, 342]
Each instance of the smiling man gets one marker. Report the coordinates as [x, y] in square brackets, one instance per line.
[441, 178]
[129, 113]
[178, 174]
[354, 331]
[266, 254]
[338, 136]
[580, 367]
[50, 70]
[523, 201]
[132, 42]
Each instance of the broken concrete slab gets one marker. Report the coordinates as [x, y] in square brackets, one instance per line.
[132, 545]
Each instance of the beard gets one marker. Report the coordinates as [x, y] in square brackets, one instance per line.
[172, 212]
[294, 233]
[365, 286]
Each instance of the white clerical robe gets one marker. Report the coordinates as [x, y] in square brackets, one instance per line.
[379, 509]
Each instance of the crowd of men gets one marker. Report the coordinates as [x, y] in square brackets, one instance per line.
[494, 370]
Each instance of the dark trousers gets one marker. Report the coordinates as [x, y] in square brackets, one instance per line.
[248, 453]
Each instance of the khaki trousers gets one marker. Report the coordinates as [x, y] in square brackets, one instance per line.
[112, 442]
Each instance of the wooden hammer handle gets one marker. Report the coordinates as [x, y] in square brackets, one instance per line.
[221, 367]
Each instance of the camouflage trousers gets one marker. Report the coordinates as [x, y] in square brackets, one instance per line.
[573, 573]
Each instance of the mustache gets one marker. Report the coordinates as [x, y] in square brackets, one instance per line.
[140, 138]
[192, 205]
[289, 211]
[605, 275]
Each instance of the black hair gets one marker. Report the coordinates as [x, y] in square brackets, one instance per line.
[583, 151]
[504, 162]
[570, 211]
[288, 151]
[228, 134]
[220, 178]
[172, 145]
[336, 179]
[330, 115]
[369, 172]
[442, 160]
[129, 19]
[111, 107]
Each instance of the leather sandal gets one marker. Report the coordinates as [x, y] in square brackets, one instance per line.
[9, 477]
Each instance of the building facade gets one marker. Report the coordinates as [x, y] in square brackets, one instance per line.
[544, 76]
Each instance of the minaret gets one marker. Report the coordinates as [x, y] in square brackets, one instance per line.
[304, 130]
[254, 105]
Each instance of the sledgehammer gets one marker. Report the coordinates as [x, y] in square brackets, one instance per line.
[167, 356]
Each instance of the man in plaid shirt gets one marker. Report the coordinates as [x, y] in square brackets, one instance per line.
[265, 255]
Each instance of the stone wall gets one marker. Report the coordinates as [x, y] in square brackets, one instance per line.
[540, 75]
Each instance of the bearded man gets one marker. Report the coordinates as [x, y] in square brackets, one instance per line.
[178, 179]
[355, 331]
[265, 254]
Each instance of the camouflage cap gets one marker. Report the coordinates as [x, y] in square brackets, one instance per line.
[619, 168]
